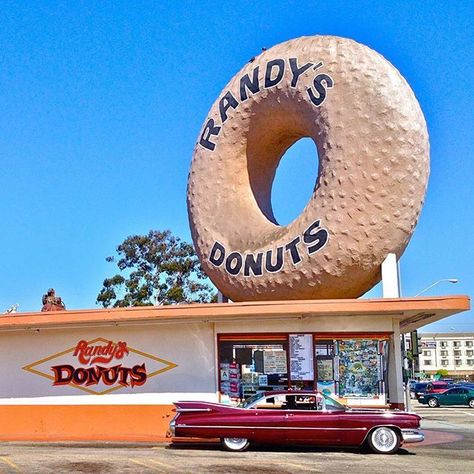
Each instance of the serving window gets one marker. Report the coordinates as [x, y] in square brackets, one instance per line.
[347, 366]
[251, 365]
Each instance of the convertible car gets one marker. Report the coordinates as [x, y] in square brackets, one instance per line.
[290, 417]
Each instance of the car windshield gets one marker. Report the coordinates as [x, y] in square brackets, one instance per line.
[249, 401]
[332, 404]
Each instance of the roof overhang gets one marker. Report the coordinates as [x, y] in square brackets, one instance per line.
[412, 313]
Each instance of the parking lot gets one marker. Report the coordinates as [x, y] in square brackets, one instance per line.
[448, 447]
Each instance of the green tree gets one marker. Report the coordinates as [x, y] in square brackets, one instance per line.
[440, 373]
[156, 268]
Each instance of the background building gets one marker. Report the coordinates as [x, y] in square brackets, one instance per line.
[451, 351]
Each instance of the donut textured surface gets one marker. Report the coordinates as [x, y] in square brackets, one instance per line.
[373, 149]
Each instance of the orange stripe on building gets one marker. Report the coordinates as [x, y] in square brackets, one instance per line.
[138, 423]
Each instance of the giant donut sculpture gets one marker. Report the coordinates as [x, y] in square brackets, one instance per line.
[373, 151]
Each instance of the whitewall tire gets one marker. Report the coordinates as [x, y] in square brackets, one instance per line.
[384, 440]
[235, 444]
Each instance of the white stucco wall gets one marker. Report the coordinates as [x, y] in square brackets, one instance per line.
[190, 346]
[375, 323]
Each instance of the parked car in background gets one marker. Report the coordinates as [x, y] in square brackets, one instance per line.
[438, 386]
[452, 396]
[417, 389]
[292, 417]
[433, 387]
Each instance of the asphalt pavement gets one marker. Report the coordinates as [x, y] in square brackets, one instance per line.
[448, 448]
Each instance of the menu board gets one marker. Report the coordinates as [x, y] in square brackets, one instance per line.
[274, 362]
[301, 357]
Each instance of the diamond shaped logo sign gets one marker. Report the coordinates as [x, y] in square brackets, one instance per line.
[100, 366]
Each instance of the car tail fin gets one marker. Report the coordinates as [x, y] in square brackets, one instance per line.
[182, 407]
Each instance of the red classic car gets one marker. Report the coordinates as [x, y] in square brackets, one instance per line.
[289, 417]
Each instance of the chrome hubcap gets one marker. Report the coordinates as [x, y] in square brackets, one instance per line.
[384, 439]
[235, 443]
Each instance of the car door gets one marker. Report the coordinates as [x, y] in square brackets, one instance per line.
[267, 419]
[308, 423]
[452, 396]
[463, 396]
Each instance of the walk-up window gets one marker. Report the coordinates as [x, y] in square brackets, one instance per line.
[251, 364]
[347, 366]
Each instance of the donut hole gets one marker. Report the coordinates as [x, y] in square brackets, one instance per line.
[275, 130]
[294, 182]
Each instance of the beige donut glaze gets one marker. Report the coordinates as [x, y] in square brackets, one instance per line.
[373, 151]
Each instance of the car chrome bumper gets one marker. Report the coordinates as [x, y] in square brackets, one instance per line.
[172, 428]
[412, 436]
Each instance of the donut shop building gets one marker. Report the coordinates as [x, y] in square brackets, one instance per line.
[113, 374]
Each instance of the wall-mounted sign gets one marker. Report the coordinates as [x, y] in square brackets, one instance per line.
[100, 366]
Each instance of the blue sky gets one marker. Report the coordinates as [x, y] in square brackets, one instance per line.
[101, 104]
